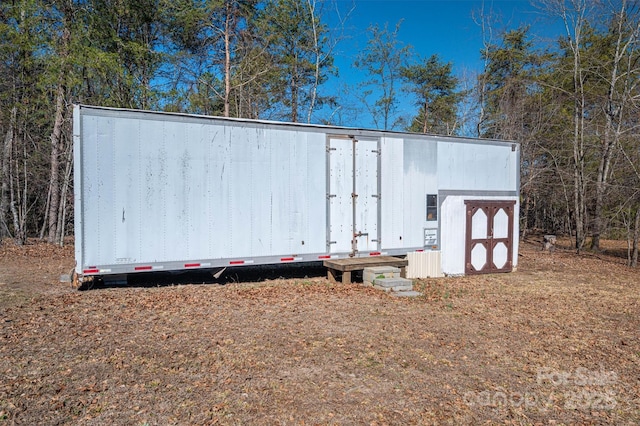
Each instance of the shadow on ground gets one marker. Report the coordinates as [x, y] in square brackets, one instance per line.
[238, 274]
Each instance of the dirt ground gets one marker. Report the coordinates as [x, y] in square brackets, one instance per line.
[557, 342]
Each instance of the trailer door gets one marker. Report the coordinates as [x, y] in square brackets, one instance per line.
[353, 199]
[489, 236]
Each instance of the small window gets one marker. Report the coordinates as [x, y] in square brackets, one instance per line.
[432, 207]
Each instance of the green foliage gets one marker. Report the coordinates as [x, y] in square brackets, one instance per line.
[509, 79]
[270, 59]
[434, 85]
[383, 60]
[295, 40]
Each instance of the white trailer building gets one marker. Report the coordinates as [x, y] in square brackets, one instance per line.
[164, 191]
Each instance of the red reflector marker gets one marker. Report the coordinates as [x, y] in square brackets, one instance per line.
[374, 253]
[91, 271]
[287, 259]
[419, 251]
[324, 257]
[142, 268]
[191, 265]
[236, 262]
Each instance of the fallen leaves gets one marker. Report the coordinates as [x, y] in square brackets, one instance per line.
[305, 351]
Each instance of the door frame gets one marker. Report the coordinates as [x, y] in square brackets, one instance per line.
[355, 234]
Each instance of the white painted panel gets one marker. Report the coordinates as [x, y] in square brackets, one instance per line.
[477, 167]
[104, 221]
[260, 181]
[299, 172]
[199, 180]
[340, 190]
[426, 264]
[392, 193]
[78, 229]
[218, 213]
[241, 194]
[152, 196]
[420, 179]
[367, 190]
[500, 224]
[315, 183]
[478, 257]
[452, 235]
[479, 225]
[91, 187]
[500, 255]
[280, 193]
[126, 207]
[293, 194]
[178, 155]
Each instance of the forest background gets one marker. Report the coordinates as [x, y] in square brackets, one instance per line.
[573, 102]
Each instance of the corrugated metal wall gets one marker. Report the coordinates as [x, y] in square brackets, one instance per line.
[165, 188]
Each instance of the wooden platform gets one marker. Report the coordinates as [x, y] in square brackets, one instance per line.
[348, 265]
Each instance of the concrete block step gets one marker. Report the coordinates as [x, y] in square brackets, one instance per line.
[369, 275]
[410, 293]
[392, 282]
[382, 269]
[394, 289]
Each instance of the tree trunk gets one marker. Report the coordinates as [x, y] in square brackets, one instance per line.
[425, 126]
[601, 182]
[5, 166]
[636, 235]
[578, 165]
[54, 179]
[294, 95]
[316, 51]
[62, 212]
[227, 58]
[19, 234]
[612, 111]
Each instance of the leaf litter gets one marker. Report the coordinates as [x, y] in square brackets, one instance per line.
[555, 342]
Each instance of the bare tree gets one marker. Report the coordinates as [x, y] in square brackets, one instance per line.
[622, 79]
[573, 14]
[5, 167]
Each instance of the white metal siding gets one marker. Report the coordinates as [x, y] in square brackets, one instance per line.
[392, 192]
[420, 179]
[477, 167]
[162, 190]
[367, 194]
[165, 188]
[340, 190]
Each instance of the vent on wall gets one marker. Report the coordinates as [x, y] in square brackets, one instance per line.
[425, 264]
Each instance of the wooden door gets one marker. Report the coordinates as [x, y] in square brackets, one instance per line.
[489, 236]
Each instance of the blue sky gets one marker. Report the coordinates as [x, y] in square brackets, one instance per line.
[442, 27]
